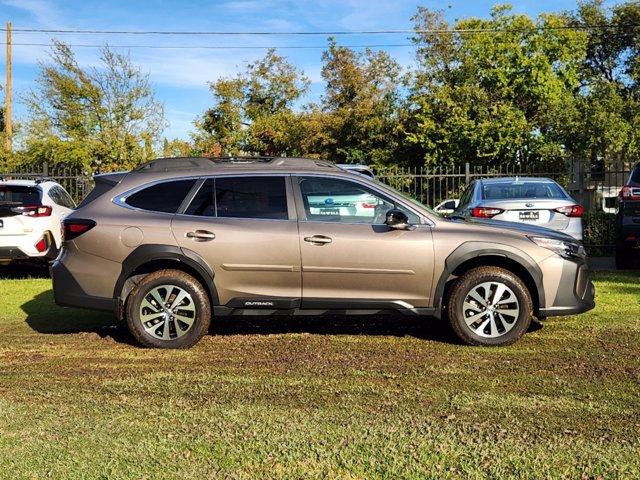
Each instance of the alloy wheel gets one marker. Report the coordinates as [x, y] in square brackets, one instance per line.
[167, 312]
[491, 309]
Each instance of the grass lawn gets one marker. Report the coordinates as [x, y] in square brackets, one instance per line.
[309, 398]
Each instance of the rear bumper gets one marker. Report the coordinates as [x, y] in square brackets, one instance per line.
[12, 253]
[68, 293]
[575, 294]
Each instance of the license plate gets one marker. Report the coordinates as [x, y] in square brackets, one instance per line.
[529, 216]
[330, 211]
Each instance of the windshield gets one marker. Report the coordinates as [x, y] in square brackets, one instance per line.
[409, 199]
[517, 190]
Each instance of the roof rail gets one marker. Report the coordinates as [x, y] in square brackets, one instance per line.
[183, 163]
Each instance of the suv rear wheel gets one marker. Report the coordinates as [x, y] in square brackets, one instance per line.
[168, 309]
[489, 306]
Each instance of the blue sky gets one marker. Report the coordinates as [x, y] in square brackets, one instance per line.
[180, 76]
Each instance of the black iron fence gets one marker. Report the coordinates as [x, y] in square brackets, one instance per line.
[595, 189]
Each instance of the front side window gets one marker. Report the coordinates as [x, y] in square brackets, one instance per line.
[241, 197]
[163, 197]
[337, 200]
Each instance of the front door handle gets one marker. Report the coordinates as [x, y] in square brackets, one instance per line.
[318, 239]
[201, 235]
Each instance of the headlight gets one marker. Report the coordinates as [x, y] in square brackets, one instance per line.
[565, 249]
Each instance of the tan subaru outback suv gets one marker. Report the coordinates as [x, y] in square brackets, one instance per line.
[176, 242]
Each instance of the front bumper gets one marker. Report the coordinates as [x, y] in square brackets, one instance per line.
[575, 293]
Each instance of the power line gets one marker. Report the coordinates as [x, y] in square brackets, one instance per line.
[324, 33]
[214, 47]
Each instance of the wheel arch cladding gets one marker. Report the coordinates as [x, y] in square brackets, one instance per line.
[150, 258]
[480, 254]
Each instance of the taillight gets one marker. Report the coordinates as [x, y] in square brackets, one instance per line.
[74, 227]
[33, 210]
[629, 193]
[486, 212]
[42, 245]
[571, 210]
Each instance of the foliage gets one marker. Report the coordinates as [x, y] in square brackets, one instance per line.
[101, 118]
[490, 98]
[253, 112]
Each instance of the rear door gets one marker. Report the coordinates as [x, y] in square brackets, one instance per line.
[350, 258]
[245, 228]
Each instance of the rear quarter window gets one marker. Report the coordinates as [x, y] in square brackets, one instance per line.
[164, 197]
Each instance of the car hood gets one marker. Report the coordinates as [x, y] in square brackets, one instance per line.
[521, 228]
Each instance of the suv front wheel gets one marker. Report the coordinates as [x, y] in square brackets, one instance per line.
[489, 306]
[168, 309]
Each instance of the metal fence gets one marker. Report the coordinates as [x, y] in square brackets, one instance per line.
[73, 179]
[595, 189]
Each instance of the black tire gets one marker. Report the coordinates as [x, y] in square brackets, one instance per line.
[179, 279]
[472, 279]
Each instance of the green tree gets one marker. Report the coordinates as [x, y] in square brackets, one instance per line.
[360, 105]
[101, 118]
[609, 100]
[253, 112]
[488, 98]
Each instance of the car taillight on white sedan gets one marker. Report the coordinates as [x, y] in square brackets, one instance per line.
[486, 212]
[571, 210]
[33, 210]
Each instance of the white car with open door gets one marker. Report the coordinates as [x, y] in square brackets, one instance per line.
[31, 213]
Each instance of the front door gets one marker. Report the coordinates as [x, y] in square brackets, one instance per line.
[245, 228]
[350, 258]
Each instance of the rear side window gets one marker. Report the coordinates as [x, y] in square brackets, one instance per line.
[517, 190]
[241, 197]
[162, 197]
[635, 175]
[19, 195]
[61, 197]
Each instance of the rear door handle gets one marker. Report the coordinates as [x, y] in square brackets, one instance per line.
[318, 239]
[201, 235]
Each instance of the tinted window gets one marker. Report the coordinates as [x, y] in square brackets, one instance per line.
[635, 175]
[161, 197]
[61, 197]
[19, 194]
[203, 204]
[505, 191]
[251, 197]
[334, 200]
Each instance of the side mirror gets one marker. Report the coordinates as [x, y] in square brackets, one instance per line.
[397, 220]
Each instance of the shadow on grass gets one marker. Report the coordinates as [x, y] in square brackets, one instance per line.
[19, 271]
[44, 316]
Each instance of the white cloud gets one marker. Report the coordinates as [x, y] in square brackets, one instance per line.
[40, 10]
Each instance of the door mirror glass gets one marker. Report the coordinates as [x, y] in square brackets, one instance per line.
[397, 219]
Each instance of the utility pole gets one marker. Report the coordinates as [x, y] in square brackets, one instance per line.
[8, 97]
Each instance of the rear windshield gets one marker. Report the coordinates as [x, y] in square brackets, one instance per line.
[18, 194]
[516, 190]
